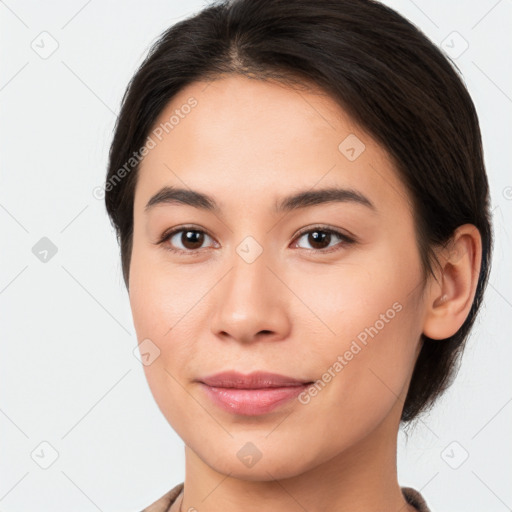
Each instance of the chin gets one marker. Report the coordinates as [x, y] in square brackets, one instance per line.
[255, 457]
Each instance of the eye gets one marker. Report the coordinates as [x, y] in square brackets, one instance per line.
[320, 237]
[191, 240]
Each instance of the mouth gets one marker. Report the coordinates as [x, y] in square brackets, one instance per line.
[254, 394]
[254, 380]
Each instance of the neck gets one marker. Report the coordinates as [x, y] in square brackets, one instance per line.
[361, 478]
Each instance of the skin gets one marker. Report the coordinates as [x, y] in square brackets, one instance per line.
[295, 308]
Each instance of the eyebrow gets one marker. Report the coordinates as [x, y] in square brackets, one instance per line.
[303, 199]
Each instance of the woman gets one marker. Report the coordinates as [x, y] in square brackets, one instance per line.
[302, 207]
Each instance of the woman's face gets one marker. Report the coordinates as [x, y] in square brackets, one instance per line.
[261, 288]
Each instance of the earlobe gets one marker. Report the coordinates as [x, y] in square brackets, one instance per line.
[449, 300]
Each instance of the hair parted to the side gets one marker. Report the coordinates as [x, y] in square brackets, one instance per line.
[383, 71]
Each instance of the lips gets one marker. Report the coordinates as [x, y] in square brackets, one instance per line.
[251, 395]
[254, 380]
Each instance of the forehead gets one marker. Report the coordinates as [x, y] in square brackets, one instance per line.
[247, 136]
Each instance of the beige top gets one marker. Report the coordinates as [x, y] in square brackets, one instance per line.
[412, 496]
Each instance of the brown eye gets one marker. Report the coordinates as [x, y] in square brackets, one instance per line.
[320, 238]
[184, 240]
[191, 239]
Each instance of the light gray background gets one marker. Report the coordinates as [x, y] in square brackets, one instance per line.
[68, 376]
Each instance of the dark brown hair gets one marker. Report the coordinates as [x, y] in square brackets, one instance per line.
[381, 69]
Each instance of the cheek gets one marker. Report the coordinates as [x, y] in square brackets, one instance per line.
[363, 369]
[161, 309]
[165, 307]
[362, 329]
[160, 296]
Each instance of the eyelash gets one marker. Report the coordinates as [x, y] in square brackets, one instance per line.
[345, 240]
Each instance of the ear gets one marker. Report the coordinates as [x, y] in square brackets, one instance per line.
[450, 298]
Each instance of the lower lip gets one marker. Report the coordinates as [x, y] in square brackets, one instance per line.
[252, 402]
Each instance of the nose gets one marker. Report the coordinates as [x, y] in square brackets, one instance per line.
[251, 302]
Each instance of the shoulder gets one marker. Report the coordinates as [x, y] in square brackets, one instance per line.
[414, 498]
[163, 503]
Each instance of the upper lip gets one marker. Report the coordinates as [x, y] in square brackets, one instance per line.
[254, 380]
